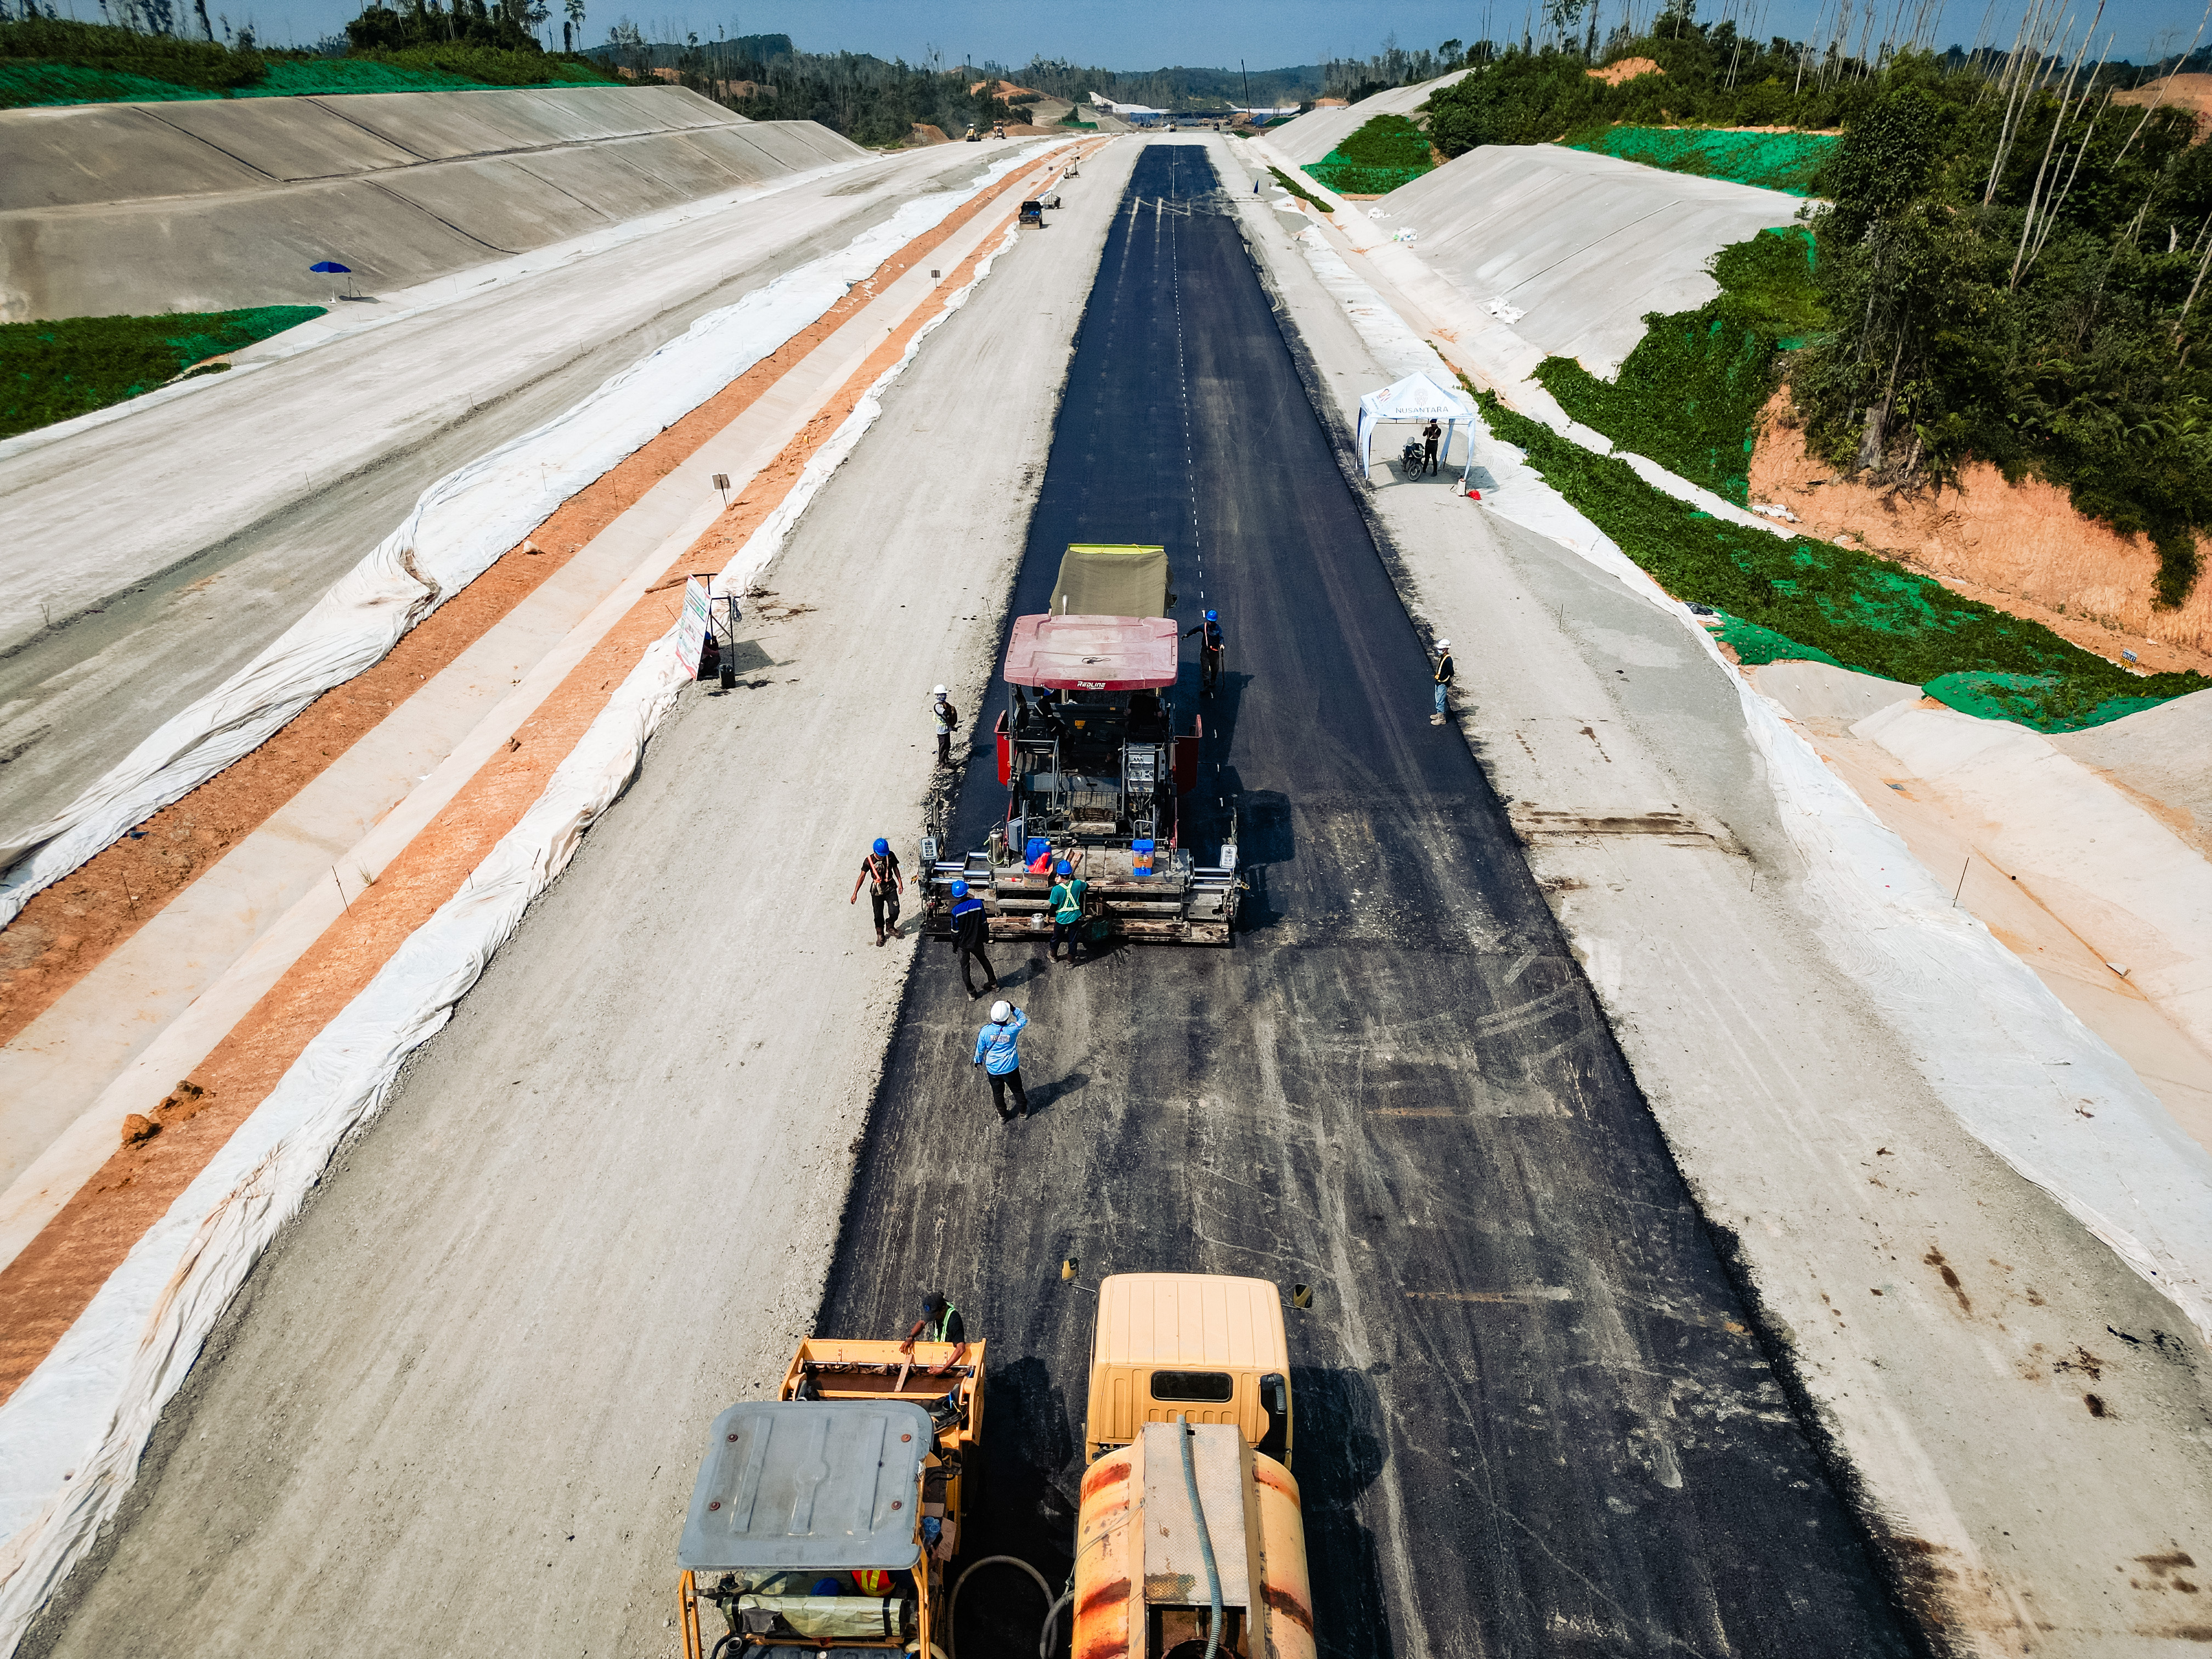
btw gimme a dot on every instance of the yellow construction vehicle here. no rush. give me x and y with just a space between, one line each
1189 1543
1201 1345
825 1517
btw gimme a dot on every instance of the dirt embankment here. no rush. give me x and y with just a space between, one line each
2020 547
2190 92
1627 69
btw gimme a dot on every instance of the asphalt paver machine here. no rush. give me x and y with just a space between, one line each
1094 771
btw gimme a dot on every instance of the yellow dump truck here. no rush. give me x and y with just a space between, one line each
823 1518
1189 1536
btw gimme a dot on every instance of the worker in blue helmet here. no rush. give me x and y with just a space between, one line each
1066 904
1210 644
971 933
879 873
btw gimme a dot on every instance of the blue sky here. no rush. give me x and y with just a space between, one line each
1150 34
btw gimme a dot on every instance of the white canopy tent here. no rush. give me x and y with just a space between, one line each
1418 399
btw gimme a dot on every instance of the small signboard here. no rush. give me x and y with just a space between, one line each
691 627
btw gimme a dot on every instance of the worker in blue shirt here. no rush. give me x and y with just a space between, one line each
1210 645
971 932
1001 1062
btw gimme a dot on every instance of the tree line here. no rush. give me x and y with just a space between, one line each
2013 258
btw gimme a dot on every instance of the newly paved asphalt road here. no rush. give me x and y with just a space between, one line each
1530 1416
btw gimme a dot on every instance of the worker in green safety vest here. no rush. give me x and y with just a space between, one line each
940 1321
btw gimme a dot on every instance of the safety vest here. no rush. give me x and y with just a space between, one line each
936 1333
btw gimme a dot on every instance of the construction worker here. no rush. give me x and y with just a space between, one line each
1066 904
1209 651
880 871
971 933
940 1321
947 717
1443 677
1432 435
1001 1061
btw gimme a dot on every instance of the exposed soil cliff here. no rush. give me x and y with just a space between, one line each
2020 547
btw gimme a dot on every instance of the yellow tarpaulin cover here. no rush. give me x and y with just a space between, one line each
1100 581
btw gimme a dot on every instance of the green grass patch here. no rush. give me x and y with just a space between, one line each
28 85
52 370
1071 119
1801 598
47 62
1388 151
1299 190
1787 161
1689 395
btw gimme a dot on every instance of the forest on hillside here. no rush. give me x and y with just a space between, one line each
2011 267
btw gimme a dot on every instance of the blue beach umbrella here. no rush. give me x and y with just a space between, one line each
332 267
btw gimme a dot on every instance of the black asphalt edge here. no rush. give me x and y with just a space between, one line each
1909 1577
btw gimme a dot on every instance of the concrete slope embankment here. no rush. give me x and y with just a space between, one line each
241 197
1313 135
1575 249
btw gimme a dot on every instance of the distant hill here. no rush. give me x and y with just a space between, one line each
760 57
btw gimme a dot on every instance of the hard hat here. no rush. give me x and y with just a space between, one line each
1063 868
871 1581
1443 644
960 889
937 691
827 1587
881 847
1001 1013
1213 616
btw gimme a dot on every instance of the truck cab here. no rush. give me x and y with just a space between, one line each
1201 1347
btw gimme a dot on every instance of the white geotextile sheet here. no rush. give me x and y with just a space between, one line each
460 526
71 1435
2011 1062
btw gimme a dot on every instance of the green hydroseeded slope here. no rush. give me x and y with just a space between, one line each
1387 152
1772 161
54 371
1689 395
1801 598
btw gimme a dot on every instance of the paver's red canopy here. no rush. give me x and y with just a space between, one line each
1092 653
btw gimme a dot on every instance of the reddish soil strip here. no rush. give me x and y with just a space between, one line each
68 930
44 1288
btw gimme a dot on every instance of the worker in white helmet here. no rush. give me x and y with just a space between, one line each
1001 1061
1443 677
947 717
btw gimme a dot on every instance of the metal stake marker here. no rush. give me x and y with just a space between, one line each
1961 887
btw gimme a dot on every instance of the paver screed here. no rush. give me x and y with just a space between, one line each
1531 1414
